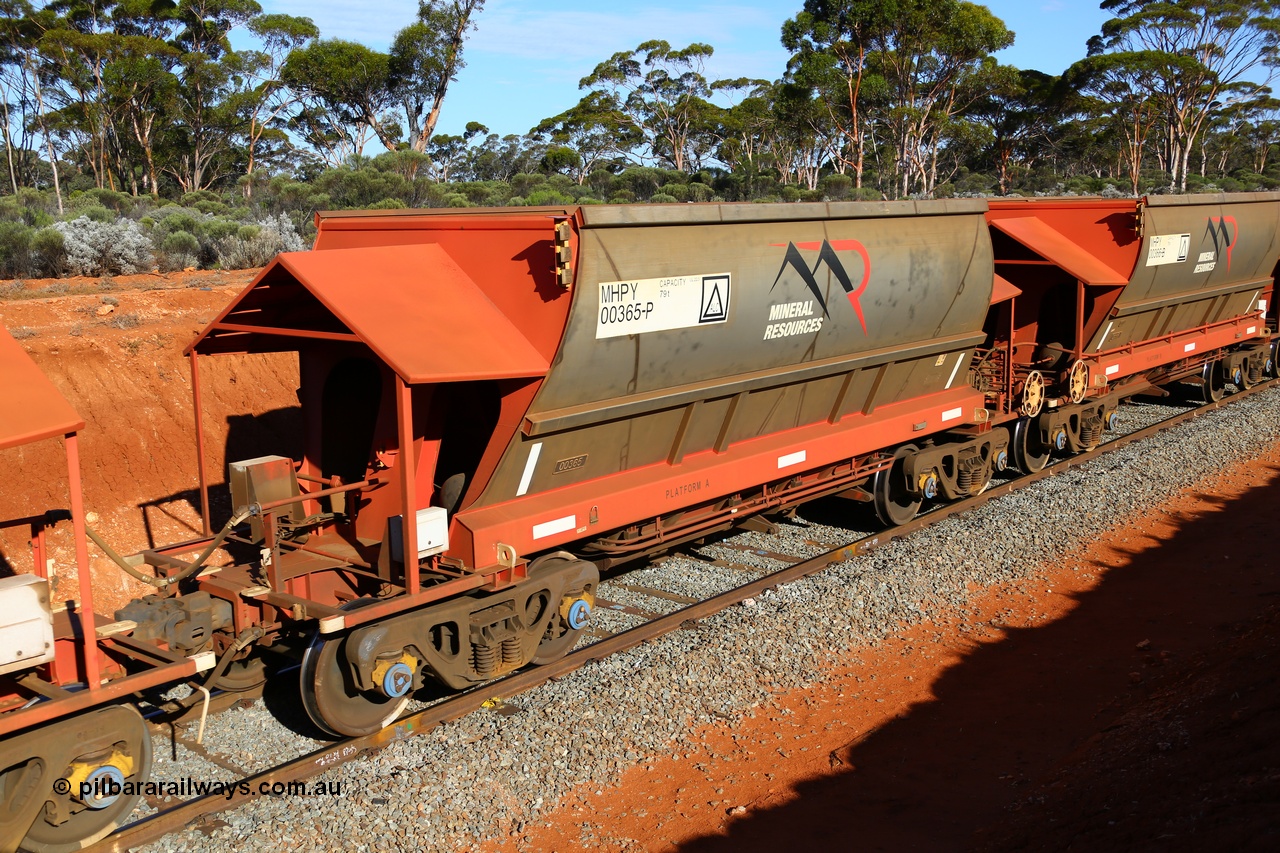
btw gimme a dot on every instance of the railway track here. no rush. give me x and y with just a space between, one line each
686 613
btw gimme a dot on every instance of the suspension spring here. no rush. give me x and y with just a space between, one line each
511 651
484 659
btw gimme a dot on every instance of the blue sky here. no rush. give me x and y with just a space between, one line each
526 57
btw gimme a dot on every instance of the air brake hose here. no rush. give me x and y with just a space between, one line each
247 636
163 583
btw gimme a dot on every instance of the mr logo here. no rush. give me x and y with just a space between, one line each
1217 231
827 254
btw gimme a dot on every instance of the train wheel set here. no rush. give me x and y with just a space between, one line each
502 405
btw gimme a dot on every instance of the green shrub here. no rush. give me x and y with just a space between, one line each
547 198
680 192
394 204
50 250
15 249
195 197
836 187
180 221
213 230
179 250
94 212
699 192
213 208
523 184
663 198
119 203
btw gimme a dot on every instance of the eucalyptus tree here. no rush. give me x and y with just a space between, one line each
261 100
1198 54
830 41
425 58
919 52
1127 84
202 121
660 93
1019 110
18 88
594 130
345 87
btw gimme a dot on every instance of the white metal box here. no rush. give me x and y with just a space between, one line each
26 623
433 533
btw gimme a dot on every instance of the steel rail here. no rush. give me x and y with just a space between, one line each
419 722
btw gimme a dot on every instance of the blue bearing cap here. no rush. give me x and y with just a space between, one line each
397 680
579 613
102 787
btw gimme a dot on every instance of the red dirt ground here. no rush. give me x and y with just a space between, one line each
124 372
1128 700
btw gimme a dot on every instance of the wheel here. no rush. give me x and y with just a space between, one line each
1244 381
894 504
1032 394
1212 382
1030 454
1078 381
570 619
121 755
1270 371
331 699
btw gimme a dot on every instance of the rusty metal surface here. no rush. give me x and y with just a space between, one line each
1202 260
605 216
31 408
421 722
422 319
815 318
1230 242
859 284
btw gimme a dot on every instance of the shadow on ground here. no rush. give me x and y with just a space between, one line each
968 770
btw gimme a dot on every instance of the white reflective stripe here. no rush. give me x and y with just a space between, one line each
529 465
1102 340
1254 299
1189 348
1262 305
551 528
792 459
1252 330
1112 370
952 414
955 369
331 624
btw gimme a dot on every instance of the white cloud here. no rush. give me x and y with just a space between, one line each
370 23
572 35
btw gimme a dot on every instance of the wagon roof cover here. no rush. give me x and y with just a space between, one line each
1050 243
412 305
30 407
